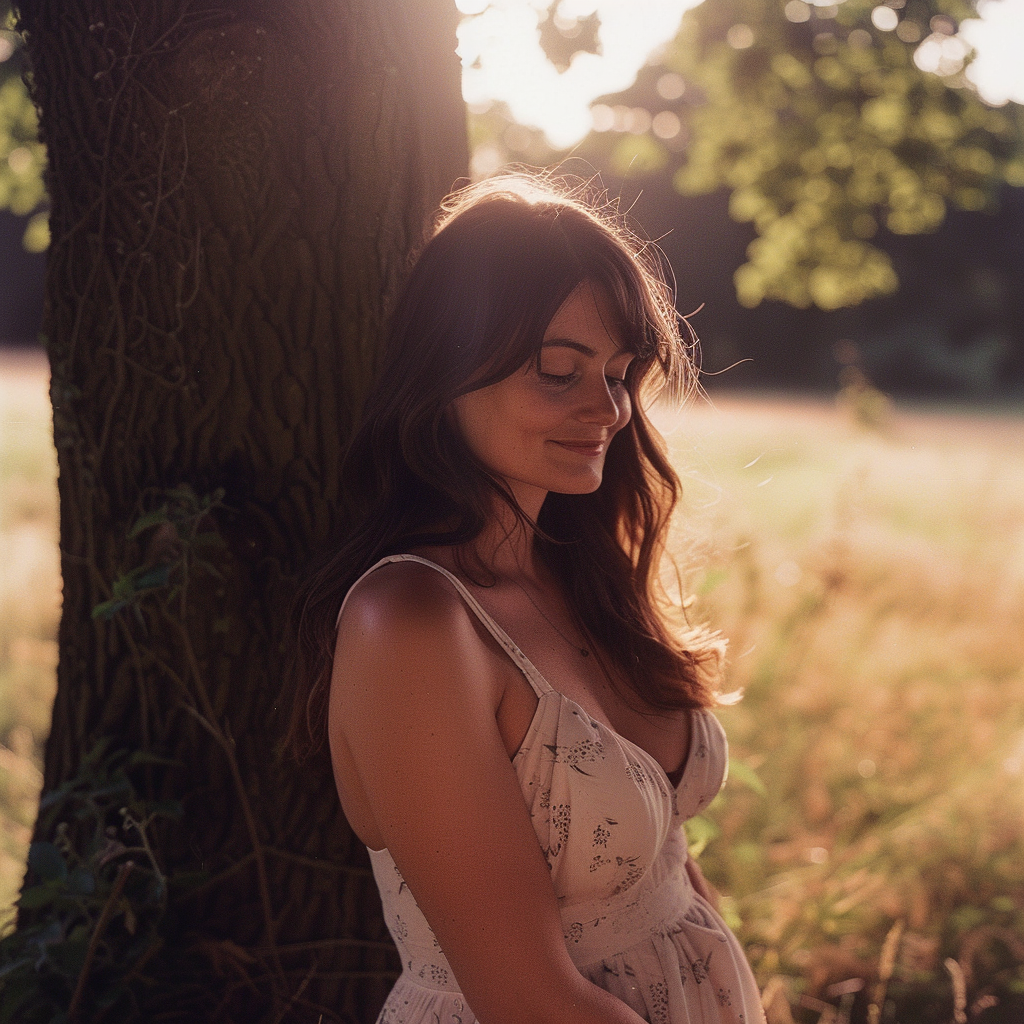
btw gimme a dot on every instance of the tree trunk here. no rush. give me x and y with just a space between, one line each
235 185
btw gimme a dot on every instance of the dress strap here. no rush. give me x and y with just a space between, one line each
534 678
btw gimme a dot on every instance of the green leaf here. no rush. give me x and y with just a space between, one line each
138 757
46 861
81 882
34 896
745 775
107 609
699 832
711 582
126 588
149 520
55 796
153 578
16 965
166 808
37 233
68 957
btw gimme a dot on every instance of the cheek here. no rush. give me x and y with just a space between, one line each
468 418
495 422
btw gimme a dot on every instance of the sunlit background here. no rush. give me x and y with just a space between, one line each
821 158
853 492
503 60
874 823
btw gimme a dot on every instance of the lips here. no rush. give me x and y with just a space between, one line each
592 449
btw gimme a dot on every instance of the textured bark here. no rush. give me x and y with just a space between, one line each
234 188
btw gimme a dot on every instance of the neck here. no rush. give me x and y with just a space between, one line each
505 547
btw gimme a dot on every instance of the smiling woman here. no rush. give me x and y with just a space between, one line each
547 427
517 733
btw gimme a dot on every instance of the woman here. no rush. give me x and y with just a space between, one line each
516 733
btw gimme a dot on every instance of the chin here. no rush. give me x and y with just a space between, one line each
578 486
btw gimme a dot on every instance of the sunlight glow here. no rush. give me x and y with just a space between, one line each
503 61
884 18
502 58
997 71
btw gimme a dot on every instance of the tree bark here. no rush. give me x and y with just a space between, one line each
235 185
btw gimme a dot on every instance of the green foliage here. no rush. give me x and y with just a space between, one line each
824 129
93 906
181 540
701 828
98 915
22 155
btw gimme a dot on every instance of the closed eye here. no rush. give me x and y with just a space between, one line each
558 378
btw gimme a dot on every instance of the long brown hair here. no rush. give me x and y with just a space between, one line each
503 256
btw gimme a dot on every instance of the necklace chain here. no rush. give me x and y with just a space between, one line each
582 650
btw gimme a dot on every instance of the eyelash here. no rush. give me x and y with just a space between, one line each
565 379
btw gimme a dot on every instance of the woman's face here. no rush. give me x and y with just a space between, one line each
547 427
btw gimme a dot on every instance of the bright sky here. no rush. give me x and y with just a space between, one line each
502 58
998 37
513 68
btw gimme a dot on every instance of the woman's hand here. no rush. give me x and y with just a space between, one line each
422 770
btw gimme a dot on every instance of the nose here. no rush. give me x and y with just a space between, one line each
603 407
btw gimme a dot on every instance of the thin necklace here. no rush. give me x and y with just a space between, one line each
582 650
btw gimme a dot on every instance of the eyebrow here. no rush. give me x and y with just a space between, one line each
577 346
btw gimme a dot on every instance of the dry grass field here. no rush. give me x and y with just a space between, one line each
871 583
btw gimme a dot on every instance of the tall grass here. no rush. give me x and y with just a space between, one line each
871 583
872 586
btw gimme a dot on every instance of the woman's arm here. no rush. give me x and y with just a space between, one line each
412 712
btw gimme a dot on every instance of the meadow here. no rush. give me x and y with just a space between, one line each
867 565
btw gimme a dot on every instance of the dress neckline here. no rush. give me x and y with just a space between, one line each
673 787
533 675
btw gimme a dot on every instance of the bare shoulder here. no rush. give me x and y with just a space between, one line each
406 632
399 600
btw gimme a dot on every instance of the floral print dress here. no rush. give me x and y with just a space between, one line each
610 824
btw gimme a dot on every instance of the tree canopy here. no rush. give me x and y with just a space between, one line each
826 124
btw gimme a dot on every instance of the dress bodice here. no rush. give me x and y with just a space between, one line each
610 824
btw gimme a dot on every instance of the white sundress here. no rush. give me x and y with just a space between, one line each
610 824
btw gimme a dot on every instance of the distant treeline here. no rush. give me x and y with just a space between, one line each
955 327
